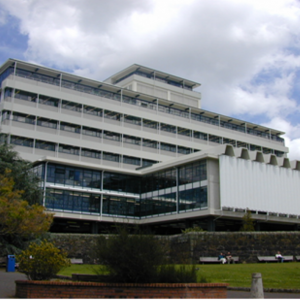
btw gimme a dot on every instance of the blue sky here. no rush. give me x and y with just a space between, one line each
245 53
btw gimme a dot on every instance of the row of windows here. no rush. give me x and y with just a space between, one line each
44 145
135 101
80 202
158 181
94 132
132 139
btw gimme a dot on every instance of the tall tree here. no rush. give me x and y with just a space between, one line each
22 174
248 223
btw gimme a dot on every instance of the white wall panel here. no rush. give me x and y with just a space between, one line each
258 186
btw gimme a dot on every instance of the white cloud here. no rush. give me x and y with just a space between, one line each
246 54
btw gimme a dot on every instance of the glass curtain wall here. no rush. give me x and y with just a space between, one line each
191 194
172 190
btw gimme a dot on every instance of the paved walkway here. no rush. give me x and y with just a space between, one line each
7 283
8 288
246 295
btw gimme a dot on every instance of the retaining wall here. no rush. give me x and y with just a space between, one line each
187 248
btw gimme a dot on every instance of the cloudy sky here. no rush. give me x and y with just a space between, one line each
245 53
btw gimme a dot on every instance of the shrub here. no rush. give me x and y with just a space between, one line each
181 274
130 257
139 258
42 261
192 229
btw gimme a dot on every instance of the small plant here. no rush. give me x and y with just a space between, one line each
42 261
192 229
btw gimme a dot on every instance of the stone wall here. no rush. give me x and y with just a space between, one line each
187 248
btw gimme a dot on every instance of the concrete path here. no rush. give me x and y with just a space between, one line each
7 283
246 295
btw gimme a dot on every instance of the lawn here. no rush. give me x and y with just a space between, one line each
274 275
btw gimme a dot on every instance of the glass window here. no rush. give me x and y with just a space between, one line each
150 143
111 136
47 123
112 115
70 127
167 147
200 135
46 100
131 160
25 96
229 141
92 110
45 145
73 201
131 140
92 132
111 156
168 128
121 182
21 141
184 131
215 139
132 120
23 118
91 153
150 124
184 150
68 149
71 106
5 74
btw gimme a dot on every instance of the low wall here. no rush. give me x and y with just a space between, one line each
55 289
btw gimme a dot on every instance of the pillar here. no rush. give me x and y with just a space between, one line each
257 290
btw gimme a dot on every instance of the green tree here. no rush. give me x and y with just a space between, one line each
248 222
42 261
22 174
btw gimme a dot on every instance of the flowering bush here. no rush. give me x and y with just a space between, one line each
42 261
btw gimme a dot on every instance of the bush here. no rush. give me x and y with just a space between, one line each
182 274
130 258
139 258
42 261
193 229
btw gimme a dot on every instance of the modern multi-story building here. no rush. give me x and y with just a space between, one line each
138 149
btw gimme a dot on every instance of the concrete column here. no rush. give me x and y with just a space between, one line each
257 290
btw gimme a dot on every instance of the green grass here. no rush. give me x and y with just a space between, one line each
274 275
79 269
